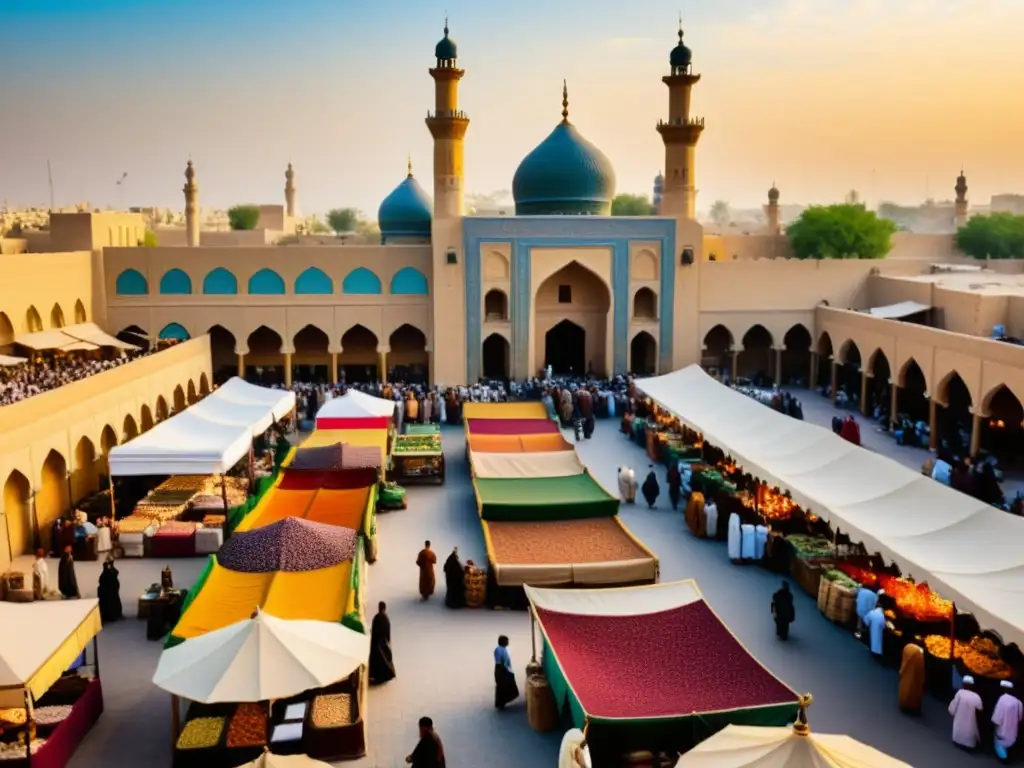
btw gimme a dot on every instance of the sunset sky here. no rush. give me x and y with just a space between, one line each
821 96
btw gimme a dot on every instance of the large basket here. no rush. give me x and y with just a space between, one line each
476 588
807 573
841 606
541 711
824 590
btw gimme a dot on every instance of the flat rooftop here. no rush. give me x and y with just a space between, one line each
981 283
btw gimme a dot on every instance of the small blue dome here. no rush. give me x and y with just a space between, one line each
446 50
406 212
681 56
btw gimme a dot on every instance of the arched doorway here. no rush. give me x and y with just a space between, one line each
179 399
796 356
643 354
6 333
18 513
222 353
848 375
359 356
311 361
108 439
192 396
130 430
52 500
84 477
495 306
146 418
264 364
645 305
1002 433
571 307
716 355
823 380
879 391
204 384
135 336
911 403
161 409
954 416
496 357
408 359
57 317
565 349
756 357
80 315
33 322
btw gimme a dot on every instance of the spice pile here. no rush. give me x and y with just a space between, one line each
292 544
332 711
52 715
916 601
980 656
248 727
201 733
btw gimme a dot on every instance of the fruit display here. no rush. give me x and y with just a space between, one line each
980 656
809 547
178 527
291 544
214 521
14 716
201 733
768 504
916 601
158 512
51 715
134 524
863 576
16 751
417 444
332 711
248 726
192 483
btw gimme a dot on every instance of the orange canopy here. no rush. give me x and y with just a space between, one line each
518 443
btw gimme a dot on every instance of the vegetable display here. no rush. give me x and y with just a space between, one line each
417 444
863 576
248 727
201 733
980 655
809 547
841 579
332 711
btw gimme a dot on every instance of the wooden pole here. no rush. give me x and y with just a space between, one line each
175 720
224 491
28 727
533 634
110 482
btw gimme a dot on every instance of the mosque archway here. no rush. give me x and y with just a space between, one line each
577 295
33 322
18 514
716 356
409 281
645 305
497 357
796 356
204 384
129 429
756 356
131 282
134 335
179 399
495 306
80 314
879 390
311 361
266 282
911 402
643 355
108 439
848 373
162 411
953 399
146 421
52 499
265 363
85 475
192 396
220 282
6 332
361 282
57 317
359 357
825 352
1002 432
222 353
314 281
175 282
408 359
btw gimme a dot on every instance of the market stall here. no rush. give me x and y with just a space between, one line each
650 668
961 547
543 498
526 465
418 454
518 411
545 443
49 699
538 426
355 410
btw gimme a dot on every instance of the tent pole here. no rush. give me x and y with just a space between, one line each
175 720
533 634
96 654
28 728
110 483
224 491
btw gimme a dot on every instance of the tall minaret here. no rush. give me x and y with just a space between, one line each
289 191
448 126
659 189
680 134
960 216
772 211
191 190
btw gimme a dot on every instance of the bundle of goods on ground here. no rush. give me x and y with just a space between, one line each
545 519
843 522
417 454
646 669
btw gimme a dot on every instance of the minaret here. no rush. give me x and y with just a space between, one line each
772 211
191 190
289 191
659 189
960 216
447 124
680 134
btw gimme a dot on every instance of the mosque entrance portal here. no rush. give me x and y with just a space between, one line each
565 348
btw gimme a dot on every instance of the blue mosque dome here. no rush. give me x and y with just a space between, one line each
565 175
406 212
681 57
446 50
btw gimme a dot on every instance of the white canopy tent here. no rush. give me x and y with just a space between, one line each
82 337
356 405
6 361
898 311
967 551
280 402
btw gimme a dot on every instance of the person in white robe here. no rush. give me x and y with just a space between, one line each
574 752
734 539
711 517
41 573
964 708
627 484
1006 718
874 620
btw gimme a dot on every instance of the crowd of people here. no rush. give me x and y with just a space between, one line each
43 372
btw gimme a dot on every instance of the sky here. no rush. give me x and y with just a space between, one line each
818 96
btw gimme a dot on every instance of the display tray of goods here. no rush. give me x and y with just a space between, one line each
810 547
208 502
134 524
174 539
214 521
334 729
159 512
184 483
865 577
13 750
201 733
248 726
916 602
980 656
417 444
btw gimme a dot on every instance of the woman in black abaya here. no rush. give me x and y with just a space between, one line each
454 574
109 593
382 665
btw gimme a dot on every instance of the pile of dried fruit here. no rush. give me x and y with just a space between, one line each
52 715
134 524
16 751
980 656
332 711
15 716
201 733
863 576
248 727
159 512
916 600
292 544
178 527
214 521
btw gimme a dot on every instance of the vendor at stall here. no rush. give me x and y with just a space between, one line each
1006 717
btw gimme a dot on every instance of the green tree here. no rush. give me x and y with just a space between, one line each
317 227
996 236
244 217
846 231
148 239
632 205
721 213
342 220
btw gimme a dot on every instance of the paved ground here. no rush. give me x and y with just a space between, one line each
443 657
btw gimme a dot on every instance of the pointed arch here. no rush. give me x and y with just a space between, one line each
264 341
80 314
314 282
84 479
18 513
408 359
6 330
175 282
266 282
192 396
643 355
1000 394
824 346
496 357
179 398
409 281
220 282
52 501
131 282
33 322
756 359
361 281
495 305
57 317
645 305
495 267
849 354
717 347
953 390
796 355
311 340
146 420
204 384
359 337
162 411
174 331
911 377
359 358
108 439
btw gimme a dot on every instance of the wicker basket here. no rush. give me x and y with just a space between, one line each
807 573
14 580
842 604
476 588
824 590
541 711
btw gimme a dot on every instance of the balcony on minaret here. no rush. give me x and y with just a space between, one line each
447 114
680 131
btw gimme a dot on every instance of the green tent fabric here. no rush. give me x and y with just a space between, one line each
354 619
281 451
544 498
422 429
193 593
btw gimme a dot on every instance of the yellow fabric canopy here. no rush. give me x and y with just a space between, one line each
375 438
532 410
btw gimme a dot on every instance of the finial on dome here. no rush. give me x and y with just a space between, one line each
565 102
190 171
409 165
680 27
446 23
800 727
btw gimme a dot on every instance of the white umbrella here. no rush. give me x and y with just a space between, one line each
742 746
270 760
261 658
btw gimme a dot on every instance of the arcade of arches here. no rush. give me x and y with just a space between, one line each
571 319
758 357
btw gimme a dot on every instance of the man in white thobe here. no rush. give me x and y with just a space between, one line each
41 573
964 708
1006 717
